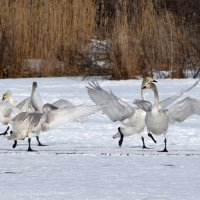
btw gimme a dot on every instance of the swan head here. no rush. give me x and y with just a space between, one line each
34 84
148 85
150 79
8 96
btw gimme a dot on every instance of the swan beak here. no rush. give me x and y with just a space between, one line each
144 87
3 98
155 81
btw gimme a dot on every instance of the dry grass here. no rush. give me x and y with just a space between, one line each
142 37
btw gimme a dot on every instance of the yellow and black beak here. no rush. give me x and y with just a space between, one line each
3 97
144 87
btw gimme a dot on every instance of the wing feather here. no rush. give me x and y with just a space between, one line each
59 117
166 102
25 105
62 103
183 109
112 106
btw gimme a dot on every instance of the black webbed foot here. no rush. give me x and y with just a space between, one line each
31 150
42 145
164 150
15 144
143 146
39 143
29 145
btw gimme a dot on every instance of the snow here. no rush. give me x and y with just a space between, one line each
83 162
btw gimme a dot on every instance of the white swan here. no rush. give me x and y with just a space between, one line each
8 109
157 119
28 124
37 105
132 118
23 106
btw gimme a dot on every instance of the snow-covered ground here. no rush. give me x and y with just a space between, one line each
82 161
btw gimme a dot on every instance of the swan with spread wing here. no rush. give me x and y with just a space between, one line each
26 125
132 118
158 119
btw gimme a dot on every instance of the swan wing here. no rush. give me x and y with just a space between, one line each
142 104
183 109
166 102
112 106
25 105
59 117
24 124
62 103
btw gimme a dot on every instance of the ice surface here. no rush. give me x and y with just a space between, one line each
82 161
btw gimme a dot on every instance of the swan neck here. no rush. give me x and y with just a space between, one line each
33 100
11 101
142 94
156 96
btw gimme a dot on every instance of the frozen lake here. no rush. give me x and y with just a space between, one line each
83 162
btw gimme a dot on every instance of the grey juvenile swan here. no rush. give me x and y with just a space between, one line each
26 125
132 118
157 119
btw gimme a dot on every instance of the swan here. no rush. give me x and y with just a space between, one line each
131 118
158 119
35 101
118 110
8 109
26 125
24 105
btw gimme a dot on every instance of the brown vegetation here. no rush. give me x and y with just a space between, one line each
136 37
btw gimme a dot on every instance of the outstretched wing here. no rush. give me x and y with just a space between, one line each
59 117
62 103
166 102
183 109
112 106
26 105
142 104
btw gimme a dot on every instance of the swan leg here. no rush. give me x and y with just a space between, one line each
165 149
5 132
144 146
151 136
121 137
15 144
29 145
39 143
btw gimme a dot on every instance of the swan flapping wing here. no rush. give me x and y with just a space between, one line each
25 105
142 104
166 102
59 117
25 124
62 103
112 106
183 109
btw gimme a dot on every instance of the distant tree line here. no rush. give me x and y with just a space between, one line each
117 38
